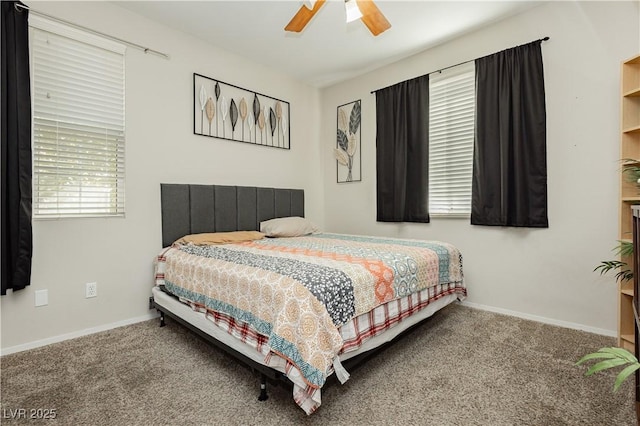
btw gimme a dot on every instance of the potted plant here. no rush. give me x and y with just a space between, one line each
615 357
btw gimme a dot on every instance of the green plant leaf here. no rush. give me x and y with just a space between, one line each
624 374
625 275
604 365
631 168
620 353
607 265
625 248
596 355
629 160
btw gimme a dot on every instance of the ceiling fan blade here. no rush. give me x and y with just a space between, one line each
302 18
372 17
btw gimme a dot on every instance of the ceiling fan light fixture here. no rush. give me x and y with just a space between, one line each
352 10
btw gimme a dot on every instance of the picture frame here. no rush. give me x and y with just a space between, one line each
348 150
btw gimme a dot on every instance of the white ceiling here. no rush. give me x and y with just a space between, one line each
328 50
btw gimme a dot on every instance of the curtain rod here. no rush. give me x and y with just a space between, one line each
450 66
19 6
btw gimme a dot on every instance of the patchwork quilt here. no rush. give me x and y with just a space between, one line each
299 291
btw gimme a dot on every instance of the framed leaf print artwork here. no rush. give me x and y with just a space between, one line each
348 147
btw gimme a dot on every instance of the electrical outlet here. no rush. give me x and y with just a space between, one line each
42 297
91 290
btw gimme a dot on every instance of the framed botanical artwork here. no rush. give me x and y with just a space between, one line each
224 111
348 148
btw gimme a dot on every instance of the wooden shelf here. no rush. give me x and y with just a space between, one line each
629 195
632 129
633 93
627 342
630 75
628 338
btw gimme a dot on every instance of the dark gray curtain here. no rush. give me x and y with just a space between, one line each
510 153
402 151
15 155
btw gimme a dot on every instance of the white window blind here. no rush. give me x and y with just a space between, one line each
451 130
78 123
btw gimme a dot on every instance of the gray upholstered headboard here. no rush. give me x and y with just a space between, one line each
191 209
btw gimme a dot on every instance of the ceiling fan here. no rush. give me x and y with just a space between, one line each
365 10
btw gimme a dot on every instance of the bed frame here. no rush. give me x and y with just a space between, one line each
189 209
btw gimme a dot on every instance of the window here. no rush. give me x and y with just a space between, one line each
78 122
451 133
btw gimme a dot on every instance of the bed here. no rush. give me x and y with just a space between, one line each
301 306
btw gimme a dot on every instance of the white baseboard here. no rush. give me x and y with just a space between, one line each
73 335
565 324
88 331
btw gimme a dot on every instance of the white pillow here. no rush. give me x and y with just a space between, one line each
294 226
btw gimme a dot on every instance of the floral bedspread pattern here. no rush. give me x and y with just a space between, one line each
299 291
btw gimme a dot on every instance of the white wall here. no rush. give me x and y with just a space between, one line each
160 147
544 273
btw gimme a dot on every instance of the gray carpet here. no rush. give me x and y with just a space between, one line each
461 367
